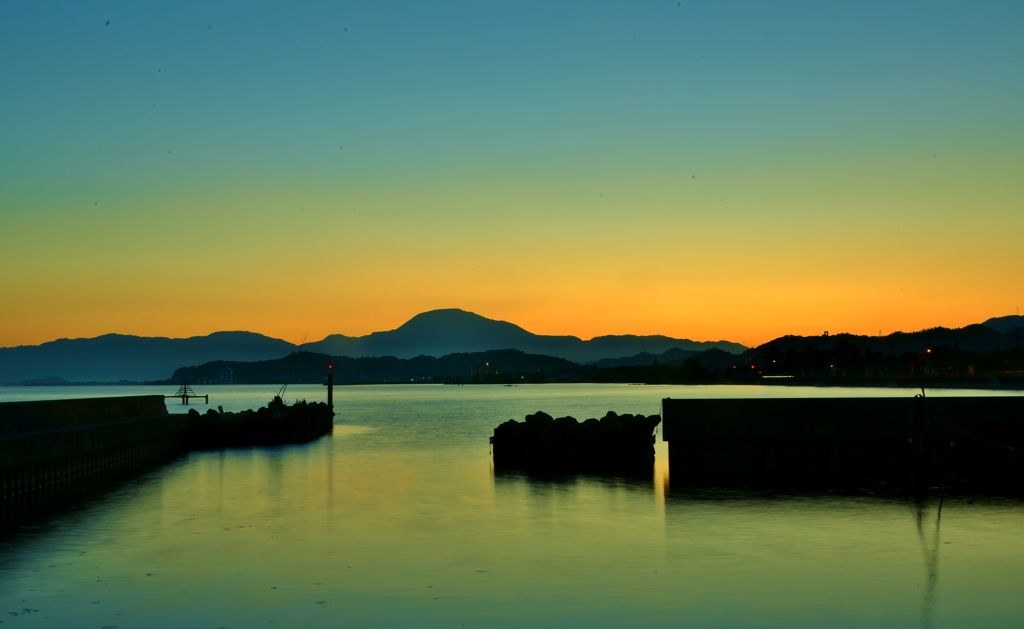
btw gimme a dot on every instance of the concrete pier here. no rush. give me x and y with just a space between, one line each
963 444
51 448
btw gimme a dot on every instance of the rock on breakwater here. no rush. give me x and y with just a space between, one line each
274 424
614 443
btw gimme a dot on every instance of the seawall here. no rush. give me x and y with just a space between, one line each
52 448
965 444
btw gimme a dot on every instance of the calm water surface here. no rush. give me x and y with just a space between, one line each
398 520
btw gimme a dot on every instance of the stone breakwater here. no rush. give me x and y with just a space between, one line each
614 443
274 424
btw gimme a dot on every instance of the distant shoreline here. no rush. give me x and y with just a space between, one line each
1005 382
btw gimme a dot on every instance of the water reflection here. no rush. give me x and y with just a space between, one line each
542 481
930 548
42 509
822 554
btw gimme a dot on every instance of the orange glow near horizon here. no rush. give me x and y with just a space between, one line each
640 260
754 309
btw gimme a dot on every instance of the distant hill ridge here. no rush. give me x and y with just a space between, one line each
507 365
973 338
115 357
1006 324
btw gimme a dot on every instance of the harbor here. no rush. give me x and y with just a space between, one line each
53 449
404 495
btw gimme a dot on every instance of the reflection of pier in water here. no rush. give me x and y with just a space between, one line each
824 549
931 560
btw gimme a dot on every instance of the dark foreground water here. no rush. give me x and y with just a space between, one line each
398 520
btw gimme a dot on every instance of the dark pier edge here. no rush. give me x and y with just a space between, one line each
920 445
55 451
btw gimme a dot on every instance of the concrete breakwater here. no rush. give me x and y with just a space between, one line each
615 443
52 451
960 444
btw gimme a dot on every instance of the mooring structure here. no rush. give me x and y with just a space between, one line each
186 393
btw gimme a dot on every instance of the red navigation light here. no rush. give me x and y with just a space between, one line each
330 366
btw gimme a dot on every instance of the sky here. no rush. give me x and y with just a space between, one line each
728 170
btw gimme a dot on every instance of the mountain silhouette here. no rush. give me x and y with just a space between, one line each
437 333
1006 324
441 332
114 357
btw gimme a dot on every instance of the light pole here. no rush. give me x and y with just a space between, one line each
330 388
